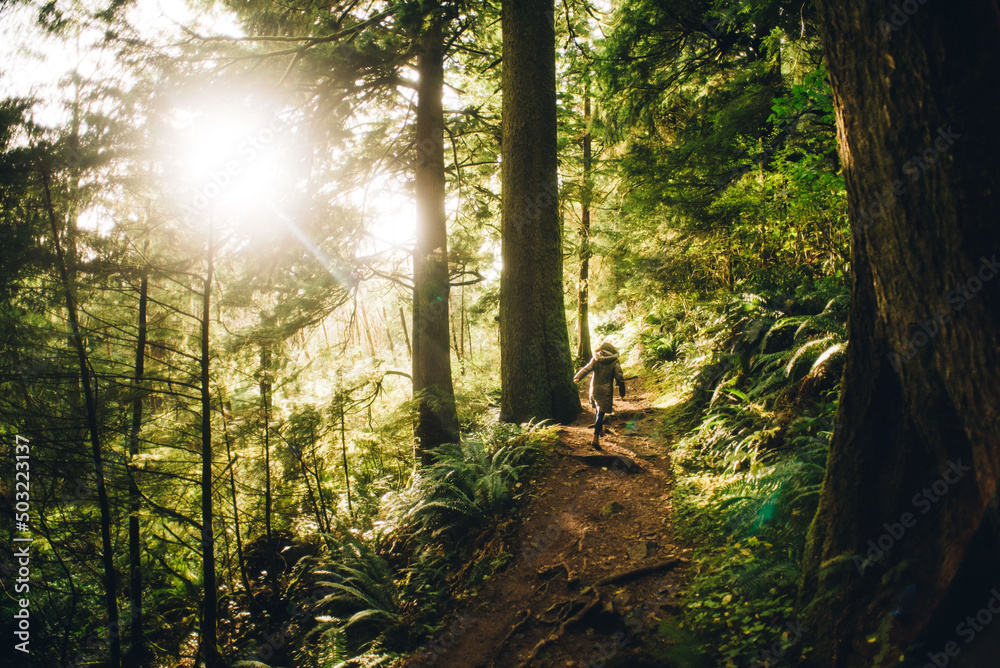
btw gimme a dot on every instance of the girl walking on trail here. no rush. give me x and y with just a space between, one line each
607 371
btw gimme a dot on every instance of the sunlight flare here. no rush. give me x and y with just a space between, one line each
228 159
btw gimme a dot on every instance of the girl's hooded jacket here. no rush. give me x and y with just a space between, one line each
607 371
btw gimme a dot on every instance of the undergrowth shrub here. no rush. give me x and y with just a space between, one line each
378 585
764 376
354 599
468 483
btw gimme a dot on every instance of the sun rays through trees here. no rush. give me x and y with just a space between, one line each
292 296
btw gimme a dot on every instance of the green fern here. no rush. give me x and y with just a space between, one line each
828 355
765 574
803 352
468 481
361 598
370 659
332 646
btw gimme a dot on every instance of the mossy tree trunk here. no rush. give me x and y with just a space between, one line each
903 545
536 366
437 420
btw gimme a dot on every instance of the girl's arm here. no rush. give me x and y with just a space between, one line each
582 373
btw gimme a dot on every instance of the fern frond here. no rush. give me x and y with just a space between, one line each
828 354
804 350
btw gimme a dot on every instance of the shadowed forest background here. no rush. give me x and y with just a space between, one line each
293 294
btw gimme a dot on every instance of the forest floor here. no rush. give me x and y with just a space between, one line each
595 562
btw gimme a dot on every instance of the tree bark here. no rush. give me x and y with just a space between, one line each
583 352
437 419
536 366
903 543
406 335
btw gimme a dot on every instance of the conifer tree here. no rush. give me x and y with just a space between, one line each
536 364
910 490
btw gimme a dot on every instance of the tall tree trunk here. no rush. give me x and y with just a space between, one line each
903 545
343 452
437 419
324 516
209 613
536 365
265 403
107 557
461 327
309 490
231 465
583 289
406 335
137 652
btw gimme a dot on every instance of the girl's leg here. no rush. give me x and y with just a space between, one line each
598 428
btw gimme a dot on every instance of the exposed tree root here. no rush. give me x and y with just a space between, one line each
513 629
636 573
614 462
550 571
561 609
555 635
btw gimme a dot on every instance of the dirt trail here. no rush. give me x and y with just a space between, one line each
595 563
